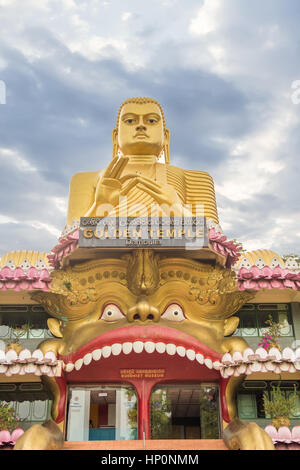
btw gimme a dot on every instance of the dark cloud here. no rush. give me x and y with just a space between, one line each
62 105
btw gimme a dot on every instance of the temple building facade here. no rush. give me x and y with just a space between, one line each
146 332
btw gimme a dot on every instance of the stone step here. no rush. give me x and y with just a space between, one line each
164 444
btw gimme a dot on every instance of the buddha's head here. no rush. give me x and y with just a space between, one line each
141 129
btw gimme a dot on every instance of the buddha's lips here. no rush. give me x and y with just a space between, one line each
142 339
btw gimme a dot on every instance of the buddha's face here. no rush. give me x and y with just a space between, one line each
141 129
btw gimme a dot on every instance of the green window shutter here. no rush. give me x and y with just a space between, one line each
247 406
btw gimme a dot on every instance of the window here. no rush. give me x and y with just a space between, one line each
250 398
30 401
23 322
253 319
185 412
102 413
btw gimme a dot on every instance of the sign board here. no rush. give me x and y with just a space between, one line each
188 233
142 373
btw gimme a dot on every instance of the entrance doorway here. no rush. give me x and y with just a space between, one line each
102 413
185 412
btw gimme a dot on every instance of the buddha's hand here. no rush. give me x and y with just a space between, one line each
109 186
246 436
161 194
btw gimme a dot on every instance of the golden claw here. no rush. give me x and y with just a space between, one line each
246 436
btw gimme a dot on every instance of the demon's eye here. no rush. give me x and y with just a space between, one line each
173 313
111 313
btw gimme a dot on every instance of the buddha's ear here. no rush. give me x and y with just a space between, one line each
230 325
115 143
54 327
167 146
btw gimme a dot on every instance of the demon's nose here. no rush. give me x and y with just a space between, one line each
143 311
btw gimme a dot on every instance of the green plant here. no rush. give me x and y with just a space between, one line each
160 414
269 337
279 405
20 332
8 418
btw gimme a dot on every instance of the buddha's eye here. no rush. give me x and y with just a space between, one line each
130 120
111 313
173 313
152 121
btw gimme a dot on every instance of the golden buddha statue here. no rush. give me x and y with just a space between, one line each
137 177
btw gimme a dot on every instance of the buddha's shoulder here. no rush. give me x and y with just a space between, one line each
195 175
86 178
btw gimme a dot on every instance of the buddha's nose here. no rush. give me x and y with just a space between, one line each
141 127
143 311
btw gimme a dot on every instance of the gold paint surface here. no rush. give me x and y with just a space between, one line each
139 140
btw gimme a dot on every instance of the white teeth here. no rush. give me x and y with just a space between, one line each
106 351
149 347
37 354
242 369
15 369
97 354
24 354
171 349
78 364
237 356
160 347
255 366
180 351
208 363
190 354
217 365
87 359
200 358
288 354
116 349
11 355
138 347
30 368
127 348
69 367
284 366
270 366
50 355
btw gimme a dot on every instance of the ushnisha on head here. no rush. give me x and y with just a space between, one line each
141 129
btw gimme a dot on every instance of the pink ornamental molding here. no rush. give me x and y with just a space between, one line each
218 241
250 361
65 246
284 438
8 439
268 278
18 280
37 363
228 248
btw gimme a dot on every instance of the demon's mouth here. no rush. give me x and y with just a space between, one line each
142 340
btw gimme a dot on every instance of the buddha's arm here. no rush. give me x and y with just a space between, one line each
194 188
200 190
82 194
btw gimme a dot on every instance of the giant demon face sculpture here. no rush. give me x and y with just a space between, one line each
142 310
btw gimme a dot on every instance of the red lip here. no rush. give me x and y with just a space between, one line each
151 333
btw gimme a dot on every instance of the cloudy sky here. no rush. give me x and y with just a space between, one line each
222 69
